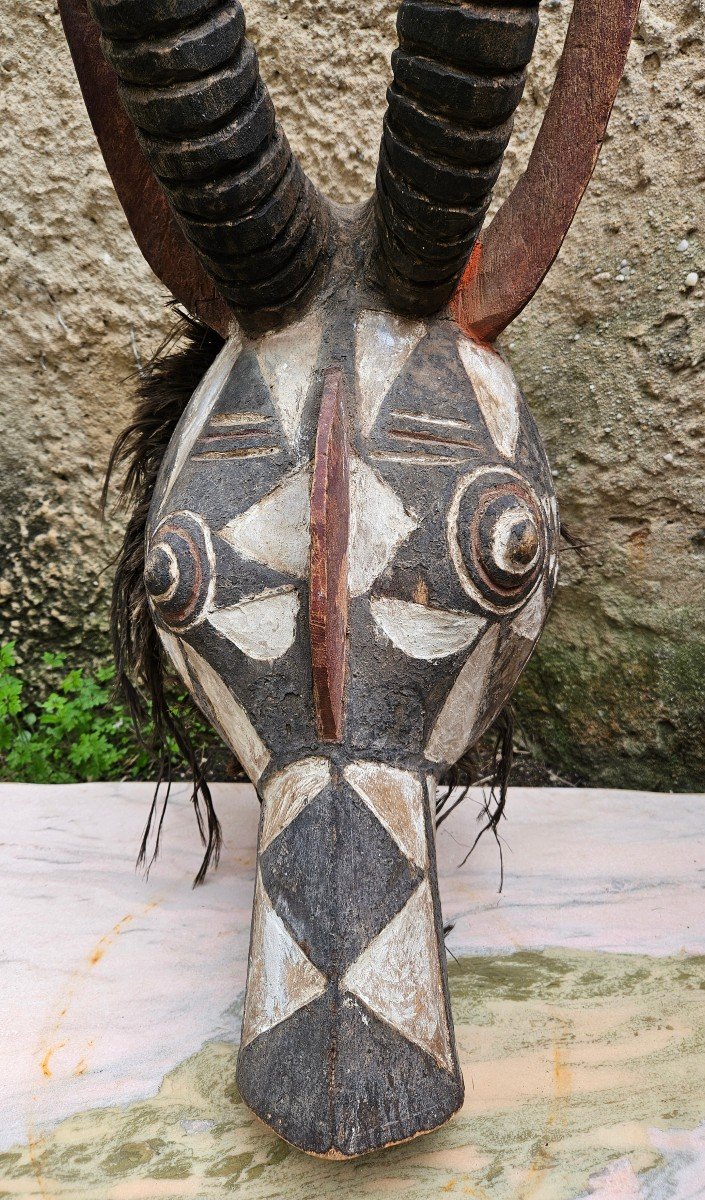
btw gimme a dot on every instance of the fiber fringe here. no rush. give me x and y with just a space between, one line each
466 774
163 390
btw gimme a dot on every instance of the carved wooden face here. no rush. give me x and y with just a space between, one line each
433 555
350 556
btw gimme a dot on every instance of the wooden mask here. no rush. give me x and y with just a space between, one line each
351 547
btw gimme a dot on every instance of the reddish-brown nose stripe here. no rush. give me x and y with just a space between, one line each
330 521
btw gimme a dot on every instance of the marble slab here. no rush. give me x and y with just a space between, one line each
578 995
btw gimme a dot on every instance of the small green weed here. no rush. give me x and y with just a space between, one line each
77 732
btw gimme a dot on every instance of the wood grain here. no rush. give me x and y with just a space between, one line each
154 228
513 256
330 520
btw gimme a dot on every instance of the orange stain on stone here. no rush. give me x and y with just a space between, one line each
562 1092
45 1063
53 1029
46 1052
562 1074
108 938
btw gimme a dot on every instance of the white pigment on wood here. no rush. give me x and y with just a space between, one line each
229 716
287 360
383 344
454 546
288 792
200 406
264 626
276 530
502 537
281 978
529 623
422 632
497 393
379 524
457 723
399 977
174 649
396 799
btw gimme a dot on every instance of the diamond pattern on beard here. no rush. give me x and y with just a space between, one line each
336 878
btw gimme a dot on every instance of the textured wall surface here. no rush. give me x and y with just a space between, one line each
610 355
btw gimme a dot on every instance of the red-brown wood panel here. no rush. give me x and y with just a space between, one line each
330 509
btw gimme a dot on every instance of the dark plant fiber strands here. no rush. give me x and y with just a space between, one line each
466 774
163 389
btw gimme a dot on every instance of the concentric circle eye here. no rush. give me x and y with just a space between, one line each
509 540
161 573
179 571
498 538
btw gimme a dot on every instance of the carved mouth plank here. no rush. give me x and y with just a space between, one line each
330 522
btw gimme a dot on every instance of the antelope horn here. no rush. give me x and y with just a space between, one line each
189 80
459 74
515 253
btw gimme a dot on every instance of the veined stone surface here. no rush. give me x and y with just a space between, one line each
577 1001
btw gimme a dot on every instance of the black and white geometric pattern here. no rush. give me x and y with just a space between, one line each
346 1042
345 967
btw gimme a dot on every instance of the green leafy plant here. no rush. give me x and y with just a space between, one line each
77 732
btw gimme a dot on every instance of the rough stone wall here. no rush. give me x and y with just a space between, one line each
610 355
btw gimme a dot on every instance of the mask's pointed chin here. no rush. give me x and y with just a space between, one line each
347 1009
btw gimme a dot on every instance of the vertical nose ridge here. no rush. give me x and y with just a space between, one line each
328 589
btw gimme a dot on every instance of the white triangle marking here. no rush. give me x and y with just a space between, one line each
529 623
383 344
264 626
497 393
287 361
280 979
287 794
422 632
379 524
399 977
456 725
228 715
396 799
276 530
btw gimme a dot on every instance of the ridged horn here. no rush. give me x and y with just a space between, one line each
459 73
190 82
